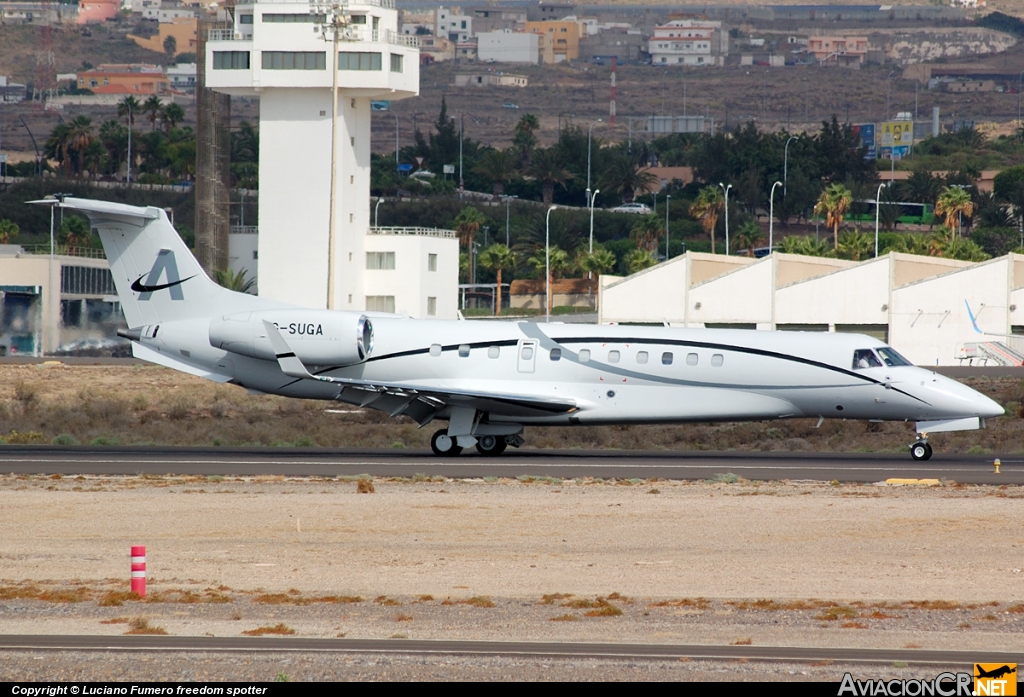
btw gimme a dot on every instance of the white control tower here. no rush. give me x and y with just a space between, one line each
276 51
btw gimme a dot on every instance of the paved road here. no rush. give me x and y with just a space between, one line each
963 659
843 467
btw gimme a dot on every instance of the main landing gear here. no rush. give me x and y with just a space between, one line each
444 445
921 450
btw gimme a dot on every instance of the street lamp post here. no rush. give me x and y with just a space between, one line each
785 165
508 202
397 161
668 197
332 21
462 130
1020 82
590 133
380 200
878 201
726 190
596 192
547 265
771 217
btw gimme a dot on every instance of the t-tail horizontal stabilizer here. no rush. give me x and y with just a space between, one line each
286 358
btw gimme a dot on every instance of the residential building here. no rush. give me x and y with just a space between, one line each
838 50
561 40
508 47
167 13
271 52
688 42
91 11
544 11
12 92
36 13
625 45
465 51
491 18
181 29
136 78
454 27
182 77
435 48
491 80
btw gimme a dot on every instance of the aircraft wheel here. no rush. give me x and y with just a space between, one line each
443 445
920 451
491 445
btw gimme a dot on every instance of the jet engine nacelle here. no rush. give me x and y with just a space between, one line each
318 337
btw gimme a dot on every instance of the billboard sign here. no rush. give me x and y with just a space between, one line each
894 152
896 134
866 131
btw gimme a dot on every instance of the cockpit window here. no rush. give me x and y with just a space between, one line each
865 358
892 358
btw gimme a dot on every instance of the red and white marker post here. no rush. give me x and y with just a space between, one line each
139 570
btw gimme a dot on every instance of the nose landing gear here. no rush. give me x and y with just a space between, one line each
921 450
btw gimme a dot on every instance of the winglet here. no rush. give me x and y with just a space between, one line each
286 358
974 320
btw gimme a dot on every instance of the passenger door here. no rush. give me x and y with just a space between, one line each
527 355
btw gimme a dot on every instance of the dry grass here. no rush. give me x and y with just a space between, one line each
118 598
280 629
402 618
146 404
140 625
606 610
115 620
775 606
853 625
293 599
566 618
386 601
478 601
698 603
742 641
552 598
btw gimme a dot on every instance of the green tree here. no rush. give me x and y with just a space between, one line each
499 166
748 237
81 136
806 245
171 115
639 259
953 203
74 233
467 223
557 261
600 261
622 174
170 47
152 108
548 169
498 258
855 245
707 208
524 140
8 229
1008 187
58 147
834 202
647 231
235 281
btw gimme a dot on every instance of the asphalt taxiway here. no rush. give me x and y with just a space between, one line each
607 464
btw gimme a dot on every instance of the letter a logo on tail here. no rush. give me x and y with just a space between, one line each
164 263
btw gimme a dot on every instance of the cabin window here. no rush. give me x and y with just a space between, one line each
584 355
464 350
865 358
493 351
613 356
691 359
641 357
666 358
527 354
892 358
717 359
556 354
435 349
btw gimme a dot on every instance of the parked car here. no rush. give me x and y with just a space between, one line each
640 208
509 105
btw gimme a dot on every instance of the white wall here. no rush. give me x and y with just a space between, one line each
741 296
859 295
411 282
508 47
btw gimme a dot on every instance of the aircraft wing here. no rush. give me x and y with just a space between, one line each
419 402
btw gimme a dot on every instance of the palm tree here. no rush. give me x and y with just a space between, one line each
81 137
806 245
129 107
639 259
623 175
524 141
548 168
8 229
234 281
952 203
467 224
707 208
557 260
498 258
834 201
499 166
171 115
647 231
748 237
600 261
153 106
854 245
58 146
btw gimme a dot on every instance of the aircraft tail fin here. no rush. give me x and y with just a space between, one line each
156 276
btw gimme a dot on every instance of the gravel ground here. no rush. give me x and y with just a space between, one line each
799 564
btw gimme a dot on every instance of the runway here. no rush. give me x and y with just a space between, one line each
962 659
606 464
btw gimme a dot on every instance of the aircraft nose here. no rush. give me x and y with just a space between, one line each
968 401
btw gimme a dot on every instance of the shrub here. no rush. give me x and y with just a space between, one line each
65 439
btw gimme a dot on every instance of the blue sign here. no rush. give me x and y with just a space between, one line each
866 131
382 105
405 168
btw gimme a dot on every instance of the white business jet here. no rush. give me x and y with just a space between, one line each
490 379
